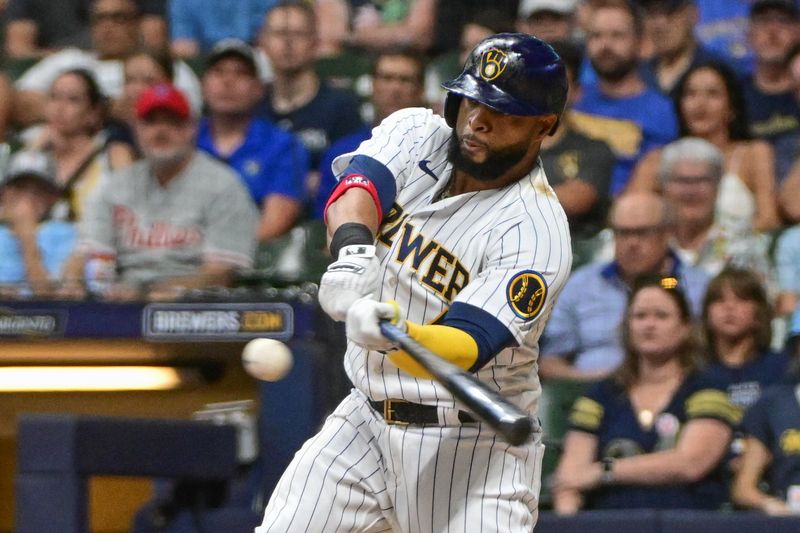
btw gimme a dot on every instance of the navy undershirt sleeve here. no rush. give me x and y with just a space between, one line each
489 333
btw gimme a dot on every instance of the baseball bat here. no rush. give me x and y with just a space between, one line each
505 418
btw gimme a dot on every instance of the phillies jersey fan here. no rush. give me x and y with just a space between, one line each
448 227
177 218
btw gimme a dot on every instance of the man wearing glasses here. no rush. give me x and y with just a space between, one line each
39 27
582 339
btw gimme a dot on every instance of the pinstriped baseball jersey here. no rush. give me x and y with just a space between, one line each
500 256
505 251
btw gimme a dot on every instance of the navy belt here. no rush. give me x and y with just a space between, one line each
405 413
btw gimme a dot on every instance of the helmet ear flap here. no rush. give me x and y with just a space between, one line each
451 103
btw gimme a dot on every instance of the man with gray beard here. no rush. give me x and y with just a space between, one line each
175 220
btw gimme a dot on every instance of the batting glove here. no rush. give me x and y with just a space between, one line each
363 323
353 276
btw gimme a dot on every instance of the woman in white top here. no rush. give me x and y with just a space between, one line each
710 105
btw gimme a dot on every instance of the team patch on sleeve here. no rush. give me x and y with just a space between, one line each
526 293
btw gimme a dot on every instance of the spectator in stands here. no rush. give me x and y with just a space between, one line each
452 15
772 106
722 27
711 106
73 135
272 163
770 465
652 435
787 266
789 197
38 27
142 69
176 220
374 25
115 34
397 83
33 246
298 100
549 20
6 105
737 325
670 26
620 108
581 339
689 175
579 169
196 25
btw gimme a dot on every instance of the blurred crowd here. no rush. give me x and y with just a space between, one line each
154 147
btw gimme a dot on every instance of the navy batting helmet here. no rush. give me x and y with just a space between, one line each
513 73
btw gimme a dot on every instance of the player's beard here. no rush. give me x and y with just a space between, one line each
497 162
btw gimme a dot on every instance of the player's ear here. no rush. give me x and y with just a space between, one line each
547 125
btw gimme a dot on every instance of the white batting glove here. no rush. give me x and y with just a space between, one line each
363 320
353 276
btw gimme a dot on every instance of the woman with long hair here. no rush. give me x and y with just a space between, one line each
73 135
710 105
737 323
652 435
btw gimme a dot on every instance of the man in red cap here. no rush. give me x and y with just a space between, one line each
177 219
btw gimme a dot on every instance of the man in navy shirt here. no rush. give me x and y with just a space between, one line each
272 163
769 92
298 100
670 26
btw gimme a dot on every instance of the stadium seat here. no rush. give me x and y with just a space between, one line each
57 453
295 257
554 407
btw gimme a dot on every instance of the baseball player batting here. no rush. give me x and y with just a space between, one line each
447 227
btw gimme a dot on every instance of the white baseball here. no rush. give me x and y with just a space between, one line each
267 359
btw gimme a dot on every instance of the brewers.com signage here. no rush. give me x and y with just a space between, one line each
223 322
31 323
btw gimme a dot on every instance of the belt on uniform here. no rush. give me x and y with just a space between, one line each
403 412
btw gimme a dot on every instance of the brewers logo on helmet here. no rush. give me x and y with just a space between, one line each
513 73
493 63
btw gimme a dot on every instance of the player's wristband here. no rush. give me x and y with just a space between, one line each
360 182
350 233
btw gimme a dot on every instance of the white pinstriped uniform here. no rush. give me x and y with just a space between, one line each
360 474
